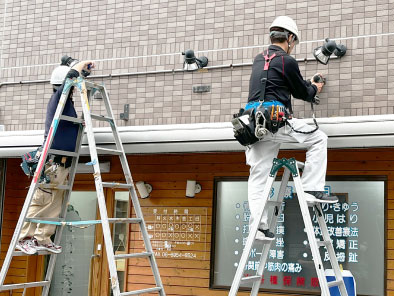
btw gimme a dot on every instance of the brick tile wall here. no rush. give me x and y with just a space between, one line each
140 36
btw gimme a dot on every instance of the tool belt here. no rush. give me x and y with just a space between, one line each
64 161
30 162
257 120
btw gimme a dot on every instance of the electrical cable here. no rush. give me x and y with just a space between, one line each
314 121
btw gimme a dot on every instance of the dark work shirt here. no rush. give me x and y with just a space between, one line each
66 132
284 79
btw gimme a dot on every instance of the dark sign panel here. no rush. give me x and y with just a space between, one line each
355 222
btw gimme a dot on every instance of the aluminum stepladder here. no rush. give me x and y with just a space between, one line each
291 167
87 90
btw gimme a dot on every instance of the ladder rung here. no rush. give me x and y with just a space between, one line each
334 283
20 253
143 291
101 150
321 243
116 185
72 119
273 203
90 85
65 223
24 285
300 164
53 186
62 152
125 220
59 222
251 279
101 117
135 255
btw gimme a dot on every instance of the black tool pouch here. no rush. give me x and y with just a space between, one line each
270 120
244 127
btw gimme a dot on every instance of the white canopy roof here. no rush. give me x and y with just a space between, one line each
343 132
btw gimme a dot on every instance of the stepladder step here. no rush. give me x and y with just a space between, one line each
52 186
71 119
117 185
38 253
322 243
62 222
62 152
101 117
24 285
134 255
102 150
251 279
142 291
334 283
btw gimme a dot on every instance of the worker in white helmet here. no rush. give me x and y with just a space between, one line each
46 203
58 76
283 80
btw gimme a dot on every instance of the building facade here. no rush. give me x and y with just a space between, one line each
138 45
174 134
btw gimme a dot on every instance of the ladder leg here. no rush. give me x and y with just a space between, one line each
249 242
311 236
100 192
330 250
272 223
133 194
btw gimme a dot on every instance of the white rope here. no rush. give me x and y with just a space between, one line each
203 51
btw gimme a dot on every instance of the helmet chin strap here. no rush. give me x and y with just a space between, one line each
288 43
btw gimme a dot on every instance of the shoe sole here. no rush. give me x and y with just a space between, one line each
24 251
313 199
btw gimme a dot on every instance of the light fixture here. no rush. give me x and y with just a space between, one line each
322 53
144 189
192 63
192 187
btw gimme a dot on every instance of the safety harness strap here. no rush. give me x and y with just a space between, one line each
264 74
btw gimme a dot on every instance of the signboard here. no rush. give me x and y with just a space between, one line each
178 232
354 223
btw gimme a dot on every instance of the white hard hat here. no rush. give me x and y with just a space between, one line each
59 74
288 24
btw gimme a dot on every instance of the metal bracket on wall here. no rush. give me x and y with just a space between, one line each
125 115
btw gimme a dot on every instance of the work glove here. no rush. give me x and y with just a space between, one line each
316 100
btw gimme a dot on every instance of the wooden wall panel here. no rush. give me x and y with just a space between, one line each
22 269
167 173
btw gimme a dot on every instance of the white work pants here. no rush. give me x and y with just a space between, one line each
261 154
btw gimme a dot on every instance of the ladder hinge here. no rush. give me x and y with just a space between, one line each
290 163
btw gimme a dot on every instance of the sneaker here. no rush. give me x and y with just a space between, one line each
51 247
265 235
320 196
27 245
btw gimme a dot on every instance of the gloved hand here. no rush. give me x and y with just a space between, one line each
316 100
85 66
319 81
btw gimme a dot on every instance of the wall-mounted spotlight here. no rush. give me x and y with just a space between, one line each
322 54
192 63
192 187
144 189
